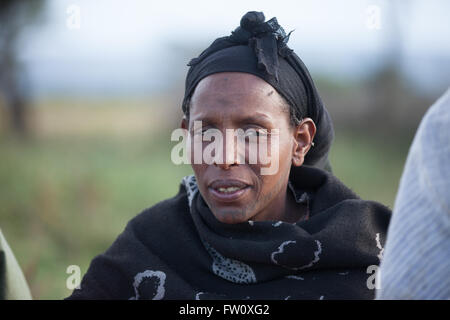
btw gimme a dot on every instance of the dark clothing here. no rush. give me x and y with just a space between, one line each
177 249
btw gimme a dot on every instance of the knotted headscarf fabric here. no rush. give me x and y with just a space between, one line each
260 48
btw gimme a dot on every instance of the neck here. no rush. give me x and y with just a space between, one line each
294 211
285 209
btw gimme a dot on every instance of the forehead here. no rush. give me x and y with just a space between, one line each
235 95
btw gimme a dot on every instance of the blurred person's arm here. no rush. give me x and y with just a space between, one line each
13 285
416 263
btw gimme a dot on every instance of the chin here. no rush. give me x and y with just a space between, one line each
230 216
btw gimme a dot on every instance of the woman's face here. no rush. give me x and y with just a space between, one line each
235 191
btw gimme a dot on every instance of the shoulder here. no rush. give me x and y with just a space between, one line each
166 208
325 189
331 195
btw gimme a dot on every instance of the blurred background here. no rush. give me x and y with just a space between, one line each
90 92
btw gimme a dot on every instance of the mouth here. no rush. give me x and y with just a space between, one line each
228 190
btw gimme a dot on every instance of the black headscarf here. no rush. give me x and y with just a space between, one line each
260 48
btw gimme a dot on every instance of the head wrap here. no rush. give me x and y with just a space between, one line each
260 48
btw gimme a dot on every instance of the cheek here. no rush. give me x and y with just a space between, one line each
274 150
199 172
270 187
270 184
199 169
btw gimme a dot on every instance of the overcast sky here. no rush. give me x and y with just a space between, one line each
136 31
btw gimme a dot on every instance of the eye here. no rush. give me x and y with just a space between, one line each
255 132
201 132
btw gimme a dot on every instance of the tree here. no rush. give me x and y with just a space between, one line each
15 17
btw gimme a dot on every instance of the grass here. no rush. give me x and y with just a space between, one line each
65 198
370 166
64 201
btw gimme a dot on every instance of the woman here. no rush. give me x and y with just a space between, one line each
231 231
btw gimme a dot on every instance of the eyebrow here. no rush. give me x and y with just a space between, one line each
257 118
254 118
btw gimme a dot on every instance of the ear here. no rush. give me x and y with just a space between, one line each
303 138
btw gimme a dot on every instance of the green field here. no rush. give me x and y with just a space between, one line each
65 198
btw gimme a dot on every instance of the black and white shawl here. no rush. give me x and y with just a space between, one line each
177 249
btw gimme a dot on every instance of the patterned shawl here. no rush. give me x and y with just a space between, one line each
177 249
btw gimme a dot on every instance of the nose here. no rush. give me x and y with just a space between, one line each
229 156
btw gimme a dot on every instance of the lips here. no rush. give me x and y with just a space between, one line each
228 190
